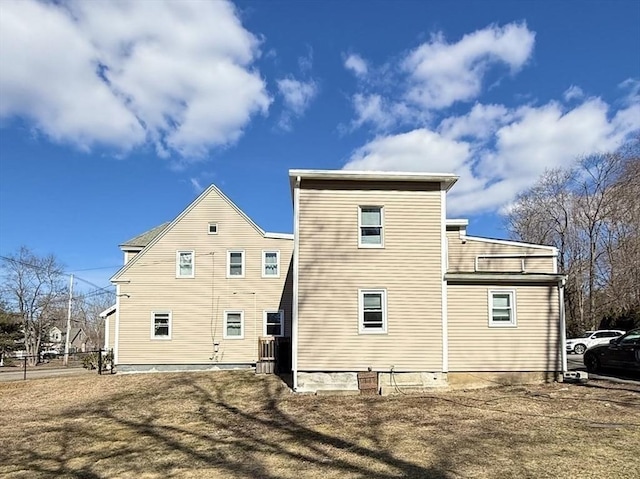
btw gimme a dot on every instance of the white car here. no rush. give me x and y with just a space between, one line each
591 338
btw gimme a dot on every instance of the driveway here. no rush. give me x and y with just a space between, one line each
15 374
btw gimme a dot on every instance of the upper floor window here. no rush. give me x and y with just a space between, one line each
235 264
185 264
274 323
161 325
271 264
371 227
213 228
373 311
502 308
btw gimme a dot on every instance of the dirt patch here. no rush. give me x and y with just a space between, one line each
239 425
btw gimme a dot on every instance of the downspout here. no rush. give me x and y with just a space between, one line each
294 313
116 339
563 326
443 270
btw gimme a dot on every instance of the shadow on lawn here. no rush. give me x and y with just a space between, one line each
216 435
243 426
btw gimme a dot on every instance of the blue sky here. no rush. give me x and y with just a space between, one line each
114 116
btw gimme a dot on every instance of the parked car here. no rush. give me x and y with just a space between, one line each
591 338
622 352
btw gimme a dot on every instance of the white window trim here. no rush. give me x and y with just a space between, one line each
193 263
264 263
367 245
224 323
264 322
514 317
229 275
361 328
153 326
209 228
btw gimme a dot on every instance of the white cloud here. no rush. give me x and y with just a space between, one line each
417 150
481 122
499 152
574 92
177 74
197 187
297 96
441 73
356 64
379 113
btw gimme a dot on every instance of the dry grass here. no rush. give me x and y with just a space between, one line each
238 425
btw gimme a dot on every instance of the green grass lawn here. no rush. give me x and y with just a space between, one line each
239 425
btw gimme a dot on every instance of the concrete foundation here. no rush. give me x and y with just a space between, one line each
174 368
311 382
394 383
466 380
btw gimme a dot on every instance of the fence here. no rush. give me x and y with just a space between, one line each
100 360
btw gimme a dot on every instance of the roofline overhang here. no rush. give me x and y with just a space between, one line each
447 179
457 222
484 278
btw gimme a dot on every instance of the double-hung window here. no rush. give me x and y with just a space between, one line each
271 264
274 323
233 324
502 308
372 311
161 325
235 264
370 227
185 267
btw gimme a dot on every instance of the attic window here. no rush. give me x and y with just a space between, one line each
213 228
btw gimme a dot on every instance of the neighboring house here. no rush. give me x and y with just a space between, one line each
77 340
374 278
55 338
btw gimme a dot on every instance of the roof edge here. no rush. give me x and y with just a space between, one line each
448 178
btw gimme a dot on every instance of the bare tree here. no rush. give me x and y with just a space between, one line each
32 287
87 308
591 213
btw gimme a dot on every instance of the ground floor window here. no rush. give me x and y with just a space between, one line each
161 325
274 323
234 324
502 308
372 311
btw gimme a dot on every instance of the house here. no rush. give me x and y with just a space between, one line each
55 337
374 278
200 291
57 340
384 282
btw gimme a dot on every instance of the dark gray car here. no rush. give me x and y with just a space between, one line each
621 353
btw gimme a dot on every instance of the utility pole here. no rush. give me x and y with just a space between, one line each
66 342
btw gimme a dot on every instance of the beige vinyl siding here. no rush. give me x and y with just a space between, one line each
533 345
111 319
197 304
462 256
332 269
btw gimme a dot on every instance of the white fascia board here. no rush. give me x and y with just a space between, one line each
457 222
511 243
108 311
287 236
